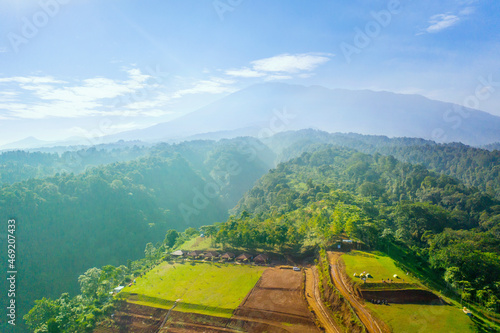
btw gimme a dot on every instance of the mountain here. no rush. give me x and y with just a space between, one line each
29 142
32 143
265 109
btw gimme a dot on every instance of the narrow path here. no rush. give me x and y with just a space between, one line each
371 324
314 300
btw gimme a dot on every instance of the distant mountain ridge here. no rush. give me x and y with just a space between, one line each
265 109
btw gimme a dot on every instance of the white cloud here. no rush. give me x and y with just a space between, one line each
468 11
139 113
138 94
30 80
44 96
441 21
289 63
306 75
212 86
38 97
282 67
8 96
278 77
444 21
244 72
149 102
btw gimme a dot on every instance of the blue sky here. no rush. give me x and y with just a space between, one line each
93 68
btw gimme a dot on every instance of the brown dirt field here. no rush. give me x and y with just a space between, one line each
278 299
406 296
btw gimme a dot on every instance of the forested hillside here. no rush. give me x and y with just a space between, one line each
318 197
18 165
67 223
473 166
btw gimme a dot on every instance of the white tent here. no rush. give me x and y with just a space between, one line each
118 289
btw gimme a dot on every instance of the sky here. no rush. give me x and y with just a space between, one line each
90 68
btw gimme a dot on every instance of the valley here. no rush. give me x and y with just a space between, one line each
321 195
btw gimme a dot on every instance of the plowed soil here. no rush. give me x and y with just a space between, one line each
278 299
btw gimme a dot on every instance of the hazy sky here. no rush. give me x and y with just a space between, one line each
92 68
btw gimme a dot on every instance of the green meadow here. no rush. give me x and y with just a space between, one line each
207 288
380 266
198 243
418 318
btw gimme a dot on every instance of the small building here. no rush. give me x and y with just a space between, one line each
228 256
211 255
178 253
245 257
195 254
261 259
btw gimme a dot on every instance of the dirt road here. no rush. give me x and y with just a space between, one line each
314 300
371 324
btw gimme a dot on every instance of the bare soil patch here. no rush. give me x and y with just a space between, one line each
278 299
406 296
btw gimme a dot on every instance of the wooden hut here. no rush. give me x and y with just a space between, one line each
211 255
245 257
195 254
228 256
261 259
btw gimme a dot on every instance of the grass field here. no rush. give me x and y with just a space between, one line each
207 288
416 318
198 243
409 318
380 266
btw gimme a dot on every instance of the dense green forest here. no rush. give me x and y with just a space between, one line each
67 223
16 166
492 146
475 167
